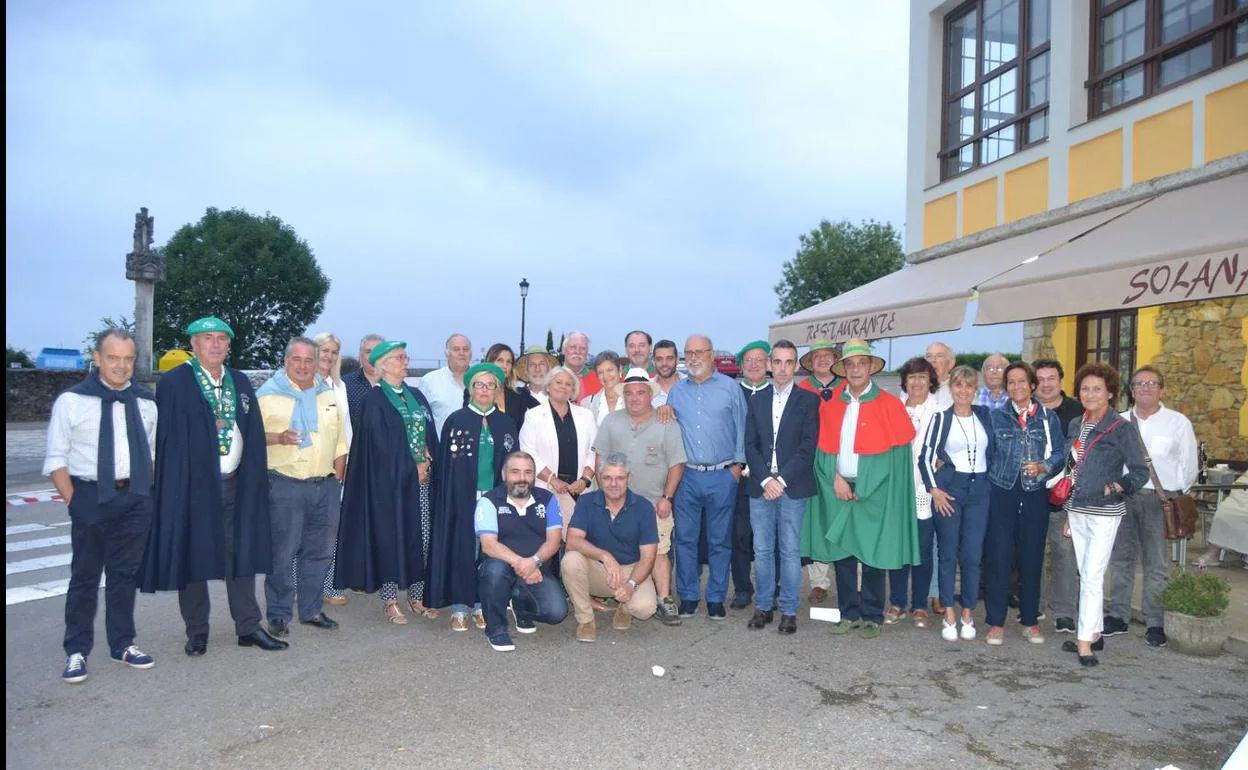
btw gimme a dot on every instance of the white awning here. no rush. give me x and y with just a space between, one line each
1185 245
927 297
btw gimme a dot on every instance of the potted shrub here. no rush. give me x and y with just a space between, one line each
1195 612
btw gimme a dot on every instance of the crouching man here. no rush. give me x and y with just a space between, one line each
519 527
612 542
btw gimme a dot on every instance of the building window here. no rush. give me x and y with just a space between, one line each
996 84
1142 47
1109 338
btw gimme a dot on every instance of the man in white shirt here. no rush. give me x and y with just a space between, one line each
100 452
942 358
444 388
1171 444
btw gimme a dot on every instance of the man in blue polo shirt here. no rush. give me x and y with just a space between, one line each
519 527
612 542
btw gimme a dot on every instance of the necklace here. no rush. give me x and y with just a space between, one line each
972 440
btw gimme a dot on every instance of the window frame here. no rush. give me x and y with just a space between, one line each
1021 63
1115 350
1220 31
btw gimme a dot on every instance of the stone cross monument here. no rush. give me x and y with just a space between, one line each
145 267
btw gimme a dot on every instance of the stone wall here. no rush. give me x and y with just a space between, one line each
1038 339
1202 358
29 393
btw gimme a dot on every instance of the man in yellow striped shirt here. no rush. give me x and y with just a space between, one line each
307 454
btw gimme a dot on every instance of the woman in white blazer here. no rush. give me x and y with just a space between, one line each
557 424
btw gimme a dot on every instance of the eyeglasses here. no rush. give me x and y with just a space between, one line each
689 353
1146 385
488 385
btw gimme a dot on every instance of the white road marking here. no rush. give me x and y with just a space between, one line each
21 529
45 562
47 590
30 545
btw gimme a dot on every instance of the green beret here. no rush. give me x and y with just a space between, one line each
383 348
209 324
755 345
476 369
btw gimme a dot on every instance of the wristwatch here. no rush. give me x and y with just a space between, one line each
537 561
633 583
588 482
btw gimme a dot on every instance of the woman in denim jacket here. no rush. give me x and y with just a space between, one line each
1104 445
1028 449
953 463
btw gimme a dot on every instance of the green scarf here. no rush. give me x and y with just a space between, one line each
225 408
485 451
814 382
413 419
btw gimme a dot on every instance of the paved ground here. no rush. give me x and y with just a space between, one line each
370 694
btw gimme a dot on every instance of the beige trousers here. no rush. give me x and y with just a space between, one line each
584 577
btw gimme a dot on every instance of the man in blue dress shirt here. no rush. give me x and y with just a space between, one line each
711 409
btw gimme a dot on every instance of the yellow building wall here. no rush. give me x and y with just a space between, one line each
1095 167
940 220
1064 342
1243 410
1027 190
1147 340
979 206
1162 144
1226 122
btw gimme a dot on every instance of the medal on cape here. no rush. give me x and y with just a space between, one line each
223 407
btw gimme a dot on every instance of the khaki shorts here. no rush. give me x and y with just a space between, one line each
665 533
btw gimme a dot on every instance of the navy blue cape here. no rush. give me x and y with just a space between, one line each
186 543
380 535
452 576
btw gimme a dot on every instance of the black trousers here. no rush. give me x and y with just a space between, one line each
241 591
106 539
742 544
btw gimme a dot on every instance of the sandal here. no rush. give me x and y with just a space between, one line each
418 608
921 618
394 614
893 614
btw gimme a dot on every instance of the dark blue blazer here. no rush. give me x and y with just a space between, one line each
933 448
795 441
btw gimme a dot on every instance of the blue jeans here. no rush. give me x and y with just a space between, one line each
911 582
713 493
1018 521
498 584
961 537
867 604
773 521
300 517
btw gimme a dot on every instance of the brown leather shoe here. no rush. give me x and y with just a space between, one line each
622 620
937 607
586 632
817 595
335 601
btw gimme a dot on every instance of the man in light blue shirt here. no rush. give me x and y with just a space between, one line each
444 388
711 409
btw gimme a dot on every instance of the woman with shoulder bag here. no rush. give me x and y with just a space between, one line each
1101 445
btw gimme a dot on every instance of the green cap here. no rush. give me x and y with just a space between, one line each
476 369
755 345
383 348
209 324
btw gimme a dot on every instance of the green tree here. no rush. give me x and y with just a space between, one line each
17 356
255 273
91 340
835 258
550 341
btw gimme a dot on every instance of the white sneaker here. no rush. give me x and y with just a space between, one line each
968 630
948 632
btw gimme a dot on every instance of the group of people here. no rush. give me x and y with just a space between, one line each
504 490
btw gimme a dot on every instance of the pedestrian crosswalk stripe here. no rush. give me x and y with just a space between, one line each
30 593
45 562
31 545
21 529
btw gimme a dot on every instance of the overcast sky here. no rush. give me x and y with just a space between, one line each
643 164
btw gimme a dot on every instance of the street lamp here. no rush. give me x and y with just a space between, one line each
524 293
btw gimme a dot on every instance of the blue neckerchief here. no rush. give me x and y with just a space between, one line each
303 418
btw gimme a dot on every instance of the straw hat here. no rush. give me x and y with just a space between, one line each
854 349
521 367
821 344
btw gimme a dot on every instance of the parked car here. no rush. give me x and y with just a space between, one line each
726 363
